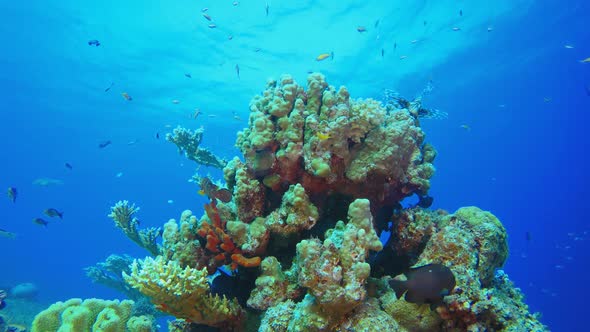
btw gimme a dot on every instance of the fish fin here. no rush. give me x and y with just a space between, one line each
413 298
399 287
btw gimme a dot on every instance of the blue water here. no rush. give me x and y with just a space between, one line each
517 88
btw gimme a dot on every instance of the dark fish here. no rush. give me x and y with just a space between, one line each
157 135
213 191
51 212
104 144
110 86
68 166
266 8
425 284
382 52
188 75
376 23
238 71
40 221
461 12
424 23
12 193
588 90
425 201
94 42
394 45
527 236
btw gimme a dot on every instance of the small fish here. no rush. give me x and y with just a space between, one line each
132 142
238 71
110 86
395 45
188 75
126 96
201 192
361 29
7 234
456 28
547 99
382 52
175 101
587 60
403 57
157 135
490 28
196 113
527 236
170 201
568 46
213 191
207 17
235 3
46 182
236 117
323 136
69 166
94 42
588 90
40 221
51 212
376 23
324 56
266 8
466 127
212 115
414 41
120 174
212 26
12 194
204 9
230 37
461 12
258 49
104 144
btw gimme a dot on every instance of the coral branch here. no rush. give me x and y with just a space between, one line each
188 143
123 214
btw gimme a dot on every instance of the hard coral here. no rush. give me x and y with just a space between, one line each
123 214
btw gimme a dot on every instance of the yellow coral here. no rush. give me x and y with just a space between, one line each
183 293
89 315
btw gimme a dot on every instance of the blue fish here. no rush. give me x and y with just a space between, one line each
94 42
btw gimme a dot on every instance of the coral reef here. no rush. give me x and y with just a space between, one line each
299 223
92 315
183 293
123 214
188 142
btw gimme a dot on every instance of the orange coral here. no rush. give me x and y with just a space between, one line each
219 246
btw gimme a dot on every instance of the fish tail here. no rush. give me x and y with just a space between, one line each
400 287
60 215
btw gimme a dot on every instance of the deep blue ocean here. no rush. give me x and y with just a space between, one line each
511 79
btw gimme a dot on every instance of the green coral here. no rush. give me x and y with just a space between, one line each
90 315
123 214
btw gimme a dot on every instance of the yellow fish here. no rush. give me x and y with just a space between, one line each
587 60
322 136
466 127
201 192
324 56
126 96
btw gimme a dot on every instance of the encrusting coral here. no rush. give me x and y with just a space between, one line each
92 315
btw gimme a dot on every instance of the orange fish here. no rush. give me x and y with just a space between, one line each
213 191
324 56
361 29
126 96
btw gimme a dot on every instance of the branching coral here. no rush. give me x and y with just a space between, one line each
188 143
109 273
123 214
183 293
